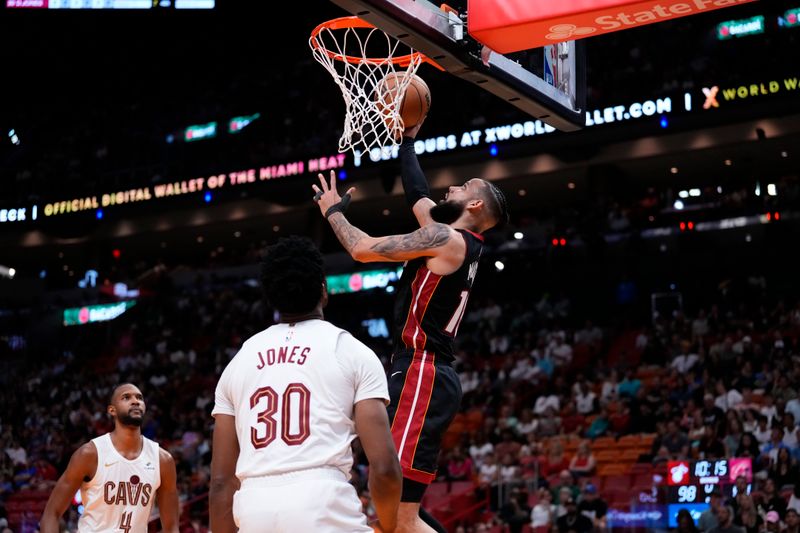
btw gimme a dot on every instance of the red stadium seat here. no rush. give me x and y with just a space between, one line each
617 483
643 480
641 468
461 487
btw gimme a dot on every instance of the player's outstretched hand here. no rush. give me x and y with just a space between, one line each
408 132
326 194
413 130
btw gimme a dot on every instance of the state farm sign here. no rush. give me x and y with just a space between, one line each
508 26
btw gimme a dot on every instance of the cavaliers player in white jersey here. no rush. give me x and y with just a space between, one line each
120 474
441 261
287 409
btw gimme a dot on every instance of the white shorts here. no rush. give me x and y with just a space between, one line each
319 500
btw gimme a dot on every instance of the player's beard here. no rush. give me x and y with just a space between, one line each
128 420
447 211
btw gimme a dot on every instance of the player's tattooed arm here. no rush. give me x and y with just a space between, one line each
427 237
427 241
349 235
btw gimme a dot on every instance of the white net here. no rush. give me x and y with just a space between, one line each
372 69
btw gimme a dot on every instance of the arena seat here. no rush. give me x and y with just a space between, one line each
474 420
436 494
617 482
629 441
612 470
603 443
630 455
641 468
641 481
460 487
608 456
647 439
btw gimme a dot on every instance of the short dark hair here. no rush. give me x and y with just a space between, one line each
116 388
292 275
496 202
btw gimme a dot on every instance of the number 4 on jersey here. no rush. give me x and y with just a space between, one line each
125 522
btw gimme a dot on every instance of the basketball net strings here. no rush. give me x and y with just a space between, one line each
372 114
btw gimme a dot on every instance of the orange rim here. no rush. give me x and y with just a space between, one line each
343 23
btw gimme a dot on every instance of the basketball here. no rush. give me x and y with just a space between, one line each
416 102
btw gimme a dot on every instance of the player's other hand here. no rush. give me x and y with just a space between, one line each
413 130
326 194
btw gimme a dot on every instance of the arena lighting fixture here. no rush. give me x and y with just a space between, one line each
518 235
499 266
7 272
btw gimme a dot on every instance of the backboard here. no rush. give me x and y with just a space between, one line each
548 83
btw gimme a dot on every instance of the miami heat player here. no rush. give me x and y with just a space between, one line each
442 260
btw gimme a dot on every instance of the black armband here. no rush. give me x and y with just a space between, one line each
339 207
415 185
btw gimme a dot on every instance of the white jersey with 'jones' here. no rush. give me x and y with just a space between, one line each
292 389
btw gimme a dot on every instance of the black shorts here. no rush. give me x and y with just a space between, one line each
425 397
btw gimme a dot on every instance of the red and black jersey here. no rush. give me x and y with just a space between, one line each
429 307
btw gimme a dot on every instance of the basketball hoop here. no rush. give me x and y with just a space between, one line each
359 57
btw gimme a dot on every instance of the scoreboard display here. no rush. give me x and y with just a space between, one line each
714 472
698 493
690 483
